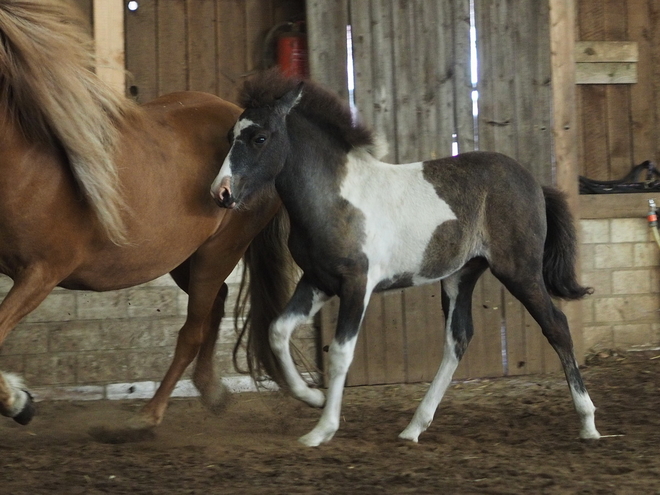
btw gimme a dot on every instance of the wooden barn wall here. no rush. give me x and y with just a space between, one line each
201 45
619 122
412 84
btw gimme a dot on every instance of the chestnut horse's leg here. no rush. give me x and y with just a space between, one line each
214 393
31 286
202 276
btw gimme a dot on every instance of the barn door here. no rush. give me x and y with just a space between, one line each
413 84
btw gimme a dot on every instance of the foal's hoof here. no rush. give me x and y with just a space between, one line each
26 415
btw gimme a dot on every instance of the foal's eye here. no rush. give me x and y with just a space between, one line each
259 140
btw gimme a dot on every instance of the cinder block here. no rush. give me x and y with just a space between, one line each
14 364
102 367
165 333
631 281
84 392
628 335
134 390
613 256
149 302
58 306
595 231
629 230
587 254
598 337
640 308
102 305
51 369
646 254
600 280
148 364
77 335
128 333
27 338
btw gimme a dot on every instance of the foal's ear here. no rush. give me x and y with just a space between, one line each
286 103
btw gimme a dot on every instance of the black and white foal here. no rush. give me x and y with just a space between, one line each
359 225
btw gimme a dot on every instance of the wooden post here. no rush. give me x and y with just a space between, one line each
564 129
109 42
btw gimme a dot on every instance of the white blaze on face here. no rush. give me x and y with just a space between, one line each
401 209
225 170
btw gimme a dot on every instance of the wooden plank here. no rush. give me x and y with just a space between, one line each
172 63
405 55
373 329
610 51
202 50
258 18
141 55
653 64
424 323
109 42
606 73
369 332
382 70
644 119
326 40
562 41
462 75
627 205
232 49
593 103
362 60
393 334
86 8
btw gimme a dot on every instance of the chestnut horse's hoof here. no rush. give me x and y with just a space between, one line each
26 415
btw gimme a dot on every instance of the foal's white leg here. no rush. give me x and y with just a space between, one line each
340 358
584 407
426 409
311 299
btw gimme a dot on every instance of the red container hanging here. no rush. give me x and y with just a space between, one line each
292 53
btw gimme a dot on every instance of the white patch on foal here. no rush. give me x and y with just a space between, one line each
401 209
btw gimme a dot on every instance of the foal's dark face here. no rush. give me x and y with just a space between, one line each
259 149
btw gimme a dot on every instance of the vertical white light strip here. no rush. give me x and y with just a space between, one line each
350 74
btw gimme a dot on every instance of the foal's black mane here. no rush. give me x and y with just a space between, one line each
316 104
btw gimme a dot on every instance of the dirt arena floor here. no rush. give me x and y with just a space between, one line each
503 436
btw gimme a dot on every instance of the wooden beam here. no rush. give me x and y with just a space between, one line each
109 42
564 130
606 51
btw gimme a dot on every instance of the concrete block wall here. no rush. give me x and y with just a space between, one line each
620 259
93 343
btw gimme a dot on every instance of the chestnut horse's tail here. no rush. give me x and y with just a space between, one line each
48 88
560 253
268 270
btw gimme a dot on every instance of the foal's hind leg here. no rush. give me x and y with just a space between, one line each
306 301
535 298
457 305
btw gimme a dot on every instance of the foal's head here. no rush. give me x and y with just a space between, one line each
258 151
261 140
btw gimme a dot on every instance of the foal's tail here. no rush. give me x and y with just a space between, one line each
265 289
560 253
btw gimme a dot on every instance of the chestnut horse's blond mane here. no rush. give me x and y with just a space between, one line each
48 88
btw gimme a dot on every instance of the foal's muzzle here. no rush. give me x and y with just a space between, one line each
223 196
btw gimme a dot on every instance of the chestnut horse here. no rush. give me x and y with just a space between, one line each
98 193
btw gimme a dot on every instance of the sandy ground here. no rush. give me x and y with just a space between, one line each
505 436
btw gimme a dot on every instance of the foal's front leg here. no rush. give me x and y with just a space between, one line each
306 301
351 311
